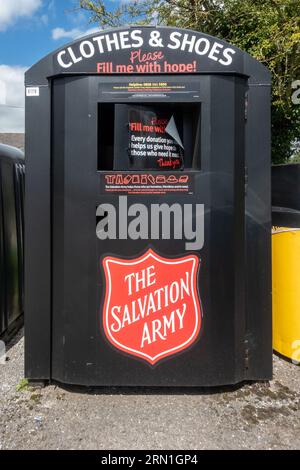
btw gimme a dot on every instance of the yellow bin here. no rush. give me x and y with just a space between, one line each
286 291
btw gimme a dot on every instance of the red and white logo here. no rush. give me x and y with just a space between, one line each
151 309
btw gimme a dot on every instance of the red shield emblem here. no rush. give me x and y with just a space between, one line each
151 309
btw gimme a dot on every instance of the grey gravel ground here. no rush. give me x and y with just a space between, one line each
256 416
16 140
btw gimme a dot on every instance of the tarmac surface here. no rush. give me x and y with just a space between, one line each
253 416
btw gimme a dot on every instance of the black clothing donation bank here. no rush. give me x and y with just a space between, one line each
148 212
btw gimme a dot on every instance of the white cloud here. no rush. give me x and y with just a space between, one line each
75 33
12 10
12 98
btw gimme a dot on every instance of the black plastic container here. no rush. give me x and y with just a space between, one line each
286 195
12 184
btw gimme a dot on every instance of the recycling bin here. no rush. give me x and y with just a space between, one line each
148 212
12 171
286 260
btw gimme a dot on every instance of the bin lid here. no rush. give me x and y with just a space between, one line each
127 50
11 153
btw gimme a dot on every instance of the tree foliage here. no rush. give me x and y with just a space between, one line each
269 30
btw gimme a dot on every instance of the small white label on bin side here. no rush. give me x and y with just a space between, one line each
32 91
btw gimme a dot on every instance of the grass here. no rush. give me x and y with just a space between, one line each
22 385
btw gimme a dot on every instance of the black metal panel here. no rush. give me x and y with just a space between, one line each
77 340
38 235
258 232
65 286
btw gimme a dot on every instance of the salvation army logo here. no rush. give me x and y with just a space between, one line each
151 309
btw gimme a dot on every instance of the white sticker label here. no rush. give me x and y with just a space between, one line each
32 91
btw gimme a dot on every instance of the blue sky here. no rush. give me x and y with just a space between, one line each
30 29
43 26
